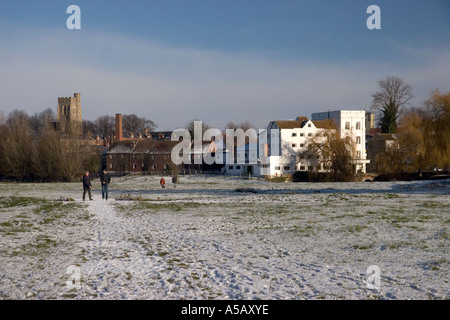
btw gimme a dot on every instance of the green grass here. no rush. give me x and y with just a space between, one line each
12 202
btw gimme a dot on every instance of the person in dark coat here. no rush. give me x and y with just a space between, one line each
174 181
87 186
105 180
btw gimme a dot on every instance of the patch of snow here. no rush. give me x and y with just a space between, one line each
226 238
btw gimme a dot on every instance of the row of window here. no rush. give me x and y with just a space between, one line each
303 168
135 166
294 134
357 127
150 157
302 145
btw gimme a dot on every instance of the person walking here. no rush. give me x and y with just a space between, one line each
174 181
87 186
162 182
105 180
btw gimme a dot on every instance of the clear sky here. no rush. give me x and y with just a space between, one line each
173 61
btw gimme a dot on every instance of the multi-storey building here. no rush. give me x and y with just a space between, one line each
350 123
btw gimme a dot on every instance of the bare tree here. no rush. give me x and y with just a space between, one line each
391 99
133 124
49 155
190 126
42 120
105 125
89 127
17 147
334 153
423 136
242 125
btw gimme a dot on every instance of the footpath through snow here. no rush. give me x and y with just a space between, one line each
209 238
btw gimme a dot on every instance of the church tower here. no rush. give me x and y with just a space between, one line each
68 114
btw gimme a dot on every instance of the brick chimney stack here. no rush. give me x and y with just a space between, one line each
119 134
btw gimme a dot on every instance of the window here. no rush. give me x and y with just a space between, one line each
230 167
277 168
358 125
310 134
287 168
110 156
302 145
358 140
294 135
238 167
302 167
302 134
358 154
111 165
347 125
166 167
294 145
309 125
154 166
310 168
134 165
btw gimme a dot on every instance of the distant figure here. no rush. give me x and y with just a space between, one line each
162 182
87 186
174 181
105 180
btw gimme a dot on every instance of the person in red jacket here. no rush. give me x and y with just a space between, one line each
162 182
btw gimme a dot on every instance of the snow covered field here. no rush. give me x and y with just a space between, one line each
225 238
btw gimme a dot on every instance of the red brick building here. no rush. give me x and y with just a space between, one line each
150 156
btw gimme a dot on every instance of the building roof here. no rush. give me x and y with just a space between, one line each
289 124
143 146
324 124
302 121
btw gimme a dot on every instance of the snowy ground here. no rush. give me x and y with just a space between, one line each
225 238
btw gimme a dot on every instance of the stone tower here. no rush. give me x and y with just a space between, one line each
68 114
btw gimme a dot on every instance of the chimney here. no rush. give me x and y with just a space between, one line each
119 134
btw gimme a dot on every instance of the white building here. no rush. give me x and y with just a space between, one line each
350 123
279 150
293 137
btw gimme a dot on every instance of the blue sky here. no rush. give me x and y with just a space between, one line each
218 60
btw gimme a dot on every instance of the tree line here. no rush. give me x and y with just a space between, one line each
422 137
32 149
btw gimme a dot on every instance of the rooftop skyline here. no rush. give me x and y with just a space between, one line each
216 61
